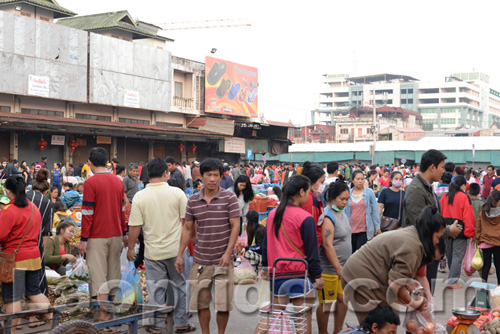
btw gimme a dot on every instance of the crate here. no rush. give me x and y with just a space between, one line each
261 203
263 215
252 205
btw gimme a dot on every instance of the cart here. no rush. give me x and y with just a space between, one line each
278 318
129 320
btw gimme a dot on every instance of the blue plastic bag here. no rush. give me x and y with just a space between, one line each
129 290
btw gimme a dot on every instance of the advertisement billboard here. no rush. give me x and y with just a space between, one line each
230 88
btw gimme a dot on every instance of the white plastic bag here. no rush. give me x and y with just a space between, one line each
123 259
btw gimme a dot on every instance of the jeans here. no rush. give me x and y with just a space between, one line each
487 253
166 287
455 252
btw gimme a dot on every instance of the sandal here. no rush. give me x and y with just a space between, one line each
106 330
153 330
189 328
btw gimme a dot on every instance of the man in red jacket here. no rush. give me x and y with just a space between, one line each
490 176
103 226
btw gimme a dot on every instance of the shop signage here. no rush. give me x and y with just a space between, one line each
57 140
39 86
249 154
103 140
131 99
234 145
81 141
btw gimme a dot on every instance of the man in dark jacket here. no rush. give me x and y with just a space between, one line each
226 182
420 194
174 171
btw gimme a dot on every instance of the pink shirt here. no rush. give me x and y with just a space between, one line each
358 216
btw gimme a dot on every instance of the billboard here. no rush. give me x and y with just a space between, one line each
230 88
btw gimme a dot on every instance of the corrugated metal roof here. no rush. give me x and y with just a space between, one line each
51 5
112 20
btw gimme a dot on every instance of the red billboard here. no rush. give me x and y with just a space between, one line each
230 88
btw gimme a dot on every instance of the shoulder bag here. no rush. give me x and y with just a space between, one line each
389 224
291 243
8 260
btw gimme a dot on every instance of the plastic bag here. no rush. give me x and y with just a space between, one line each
123 259
477 260
420 321
469 255
244 273
281 323
80 270
495 296
129 290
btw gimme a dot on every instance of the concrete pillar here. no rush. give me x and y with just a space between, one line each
67 156
114 147
151 149
14 145
184 154
17 105
115 114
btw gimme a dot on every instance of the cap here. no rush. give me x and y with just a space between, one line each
4 200
196 163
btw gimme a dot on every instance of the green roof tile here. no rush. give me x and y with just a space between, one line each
51 5
113 20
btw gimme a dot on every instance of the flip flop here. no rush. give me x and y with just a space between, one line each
234 91
223 88
153 331
190 328
216 72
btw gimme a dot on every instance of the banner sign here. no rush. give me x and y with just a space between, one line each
131 99
57 140
39 86
234 145
230 88
103 140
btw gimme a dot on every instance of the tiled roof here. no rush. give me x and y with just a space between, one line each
51 5
113 20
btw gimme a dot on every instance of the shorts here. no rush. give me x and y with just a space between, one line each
291 287
201 287
26 282
331 290
103 259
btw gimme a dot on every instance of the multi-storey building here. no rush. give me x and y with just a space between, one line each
461 100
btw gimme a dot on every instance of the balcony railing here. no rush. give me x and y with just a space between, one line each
183 102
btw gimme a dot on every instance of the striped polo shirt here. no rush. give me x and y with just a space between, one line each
214 229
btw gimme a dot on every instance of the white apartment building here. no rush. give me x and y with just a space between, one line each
462 100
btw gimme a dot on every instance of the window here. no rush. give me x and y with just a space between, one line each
410 91
448 121
344 131
410 101
5 109
93 117
360 132
42 112
133 121
403 91
169 125
178 89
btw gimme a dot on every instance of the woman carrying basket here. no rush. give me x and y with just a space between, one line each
291 233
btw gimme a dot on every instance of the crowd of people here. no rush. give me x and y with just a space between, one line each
381 224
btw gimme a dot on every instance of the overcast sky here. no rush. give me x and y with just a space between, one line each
292 46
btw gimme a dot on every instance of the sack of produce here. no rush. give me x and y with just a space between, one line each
421 322
80 270
477 260
495 296
469 255
244 273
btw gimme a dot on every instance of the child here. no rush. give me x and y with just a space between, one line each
60 213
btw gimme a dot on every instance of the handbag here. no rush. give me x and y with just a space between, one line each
387 223
8 260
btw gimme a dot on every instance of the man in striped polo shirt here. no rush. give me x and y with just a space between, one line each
217 214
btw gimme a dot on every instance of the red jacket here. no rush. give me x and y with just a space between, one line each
14 222
461 209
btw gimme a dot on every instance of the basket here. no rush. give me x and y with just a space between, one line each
262 215
252 205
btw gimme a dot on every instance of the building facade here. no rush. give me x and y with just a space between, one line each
461 100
